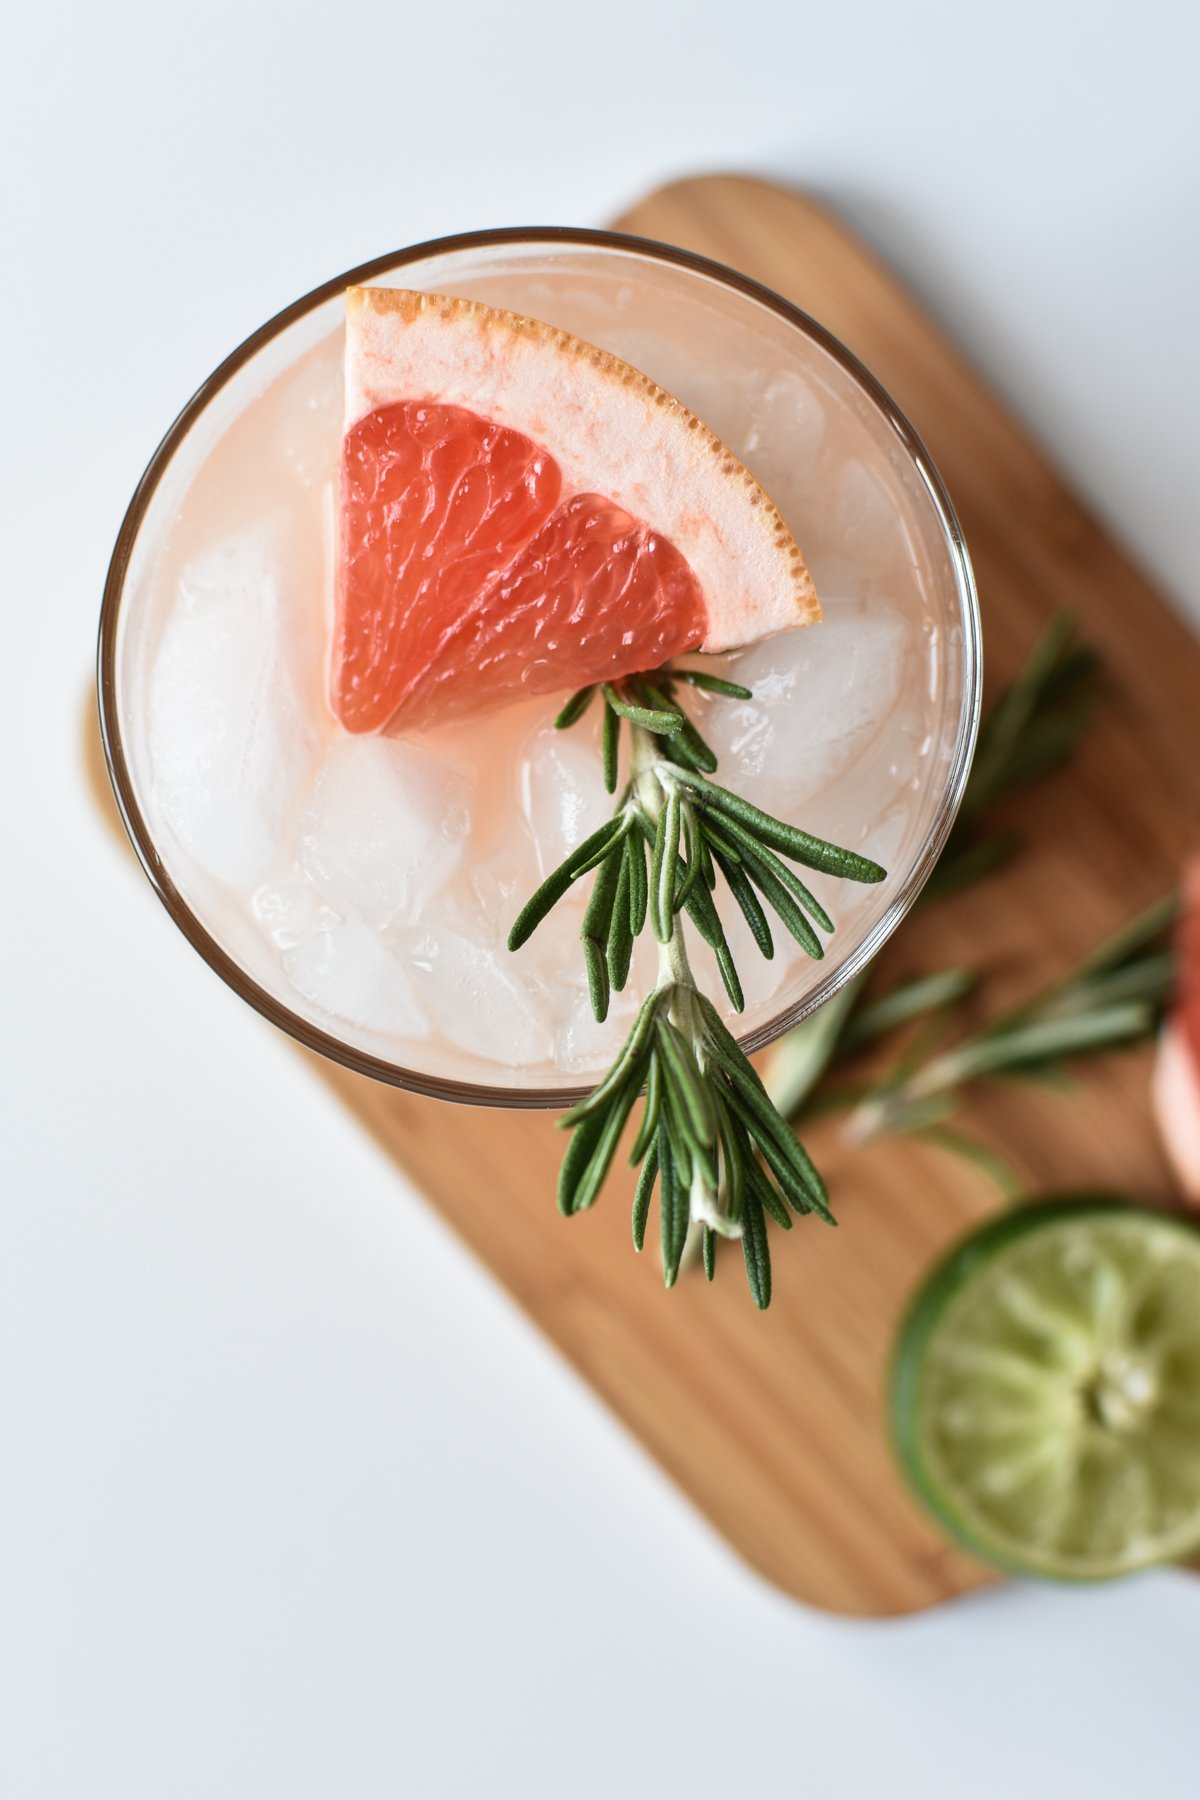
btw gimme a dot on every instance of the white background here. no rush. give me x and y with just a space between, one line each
291 1502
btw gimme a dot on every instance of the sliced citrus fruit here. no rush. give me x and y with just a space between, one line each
1045 1395
1176 1085
523 513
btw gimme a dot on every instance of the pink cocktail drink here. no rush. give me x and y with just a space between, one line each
361 888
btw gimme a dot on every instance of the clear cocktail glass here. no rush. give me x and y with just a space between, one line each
887 688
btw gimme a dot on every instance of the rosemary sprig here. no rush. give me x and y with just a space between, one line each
1113 999
847 1024
1034 726
691 831
709 1140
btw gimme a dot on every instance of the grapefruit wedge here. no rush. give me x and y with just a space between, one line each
522 513
1176 1084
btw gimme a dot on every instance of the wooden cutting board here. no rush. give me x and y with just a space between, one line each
773 1424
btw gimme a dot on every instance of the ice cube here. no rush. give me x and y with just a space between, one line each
483 903
820 697
345 970
291 911
385 829
562 787
231 751
584 1047
478 1000
490 891
869 522
786 436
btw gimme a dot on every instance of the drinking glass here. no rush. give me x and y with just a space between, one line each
764 376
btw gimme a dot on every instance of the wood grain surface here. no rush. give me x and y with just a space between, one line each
773 1424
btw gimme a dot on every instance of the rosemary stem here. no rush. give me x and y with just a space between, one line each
675 977
674 969
872 1118
690 1257
646 791
877 1115
644 767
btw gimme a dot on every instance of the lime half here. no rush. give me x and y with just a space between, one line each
1045 1394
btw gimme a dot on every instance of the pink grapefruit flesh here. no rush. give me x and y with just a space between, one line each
521 513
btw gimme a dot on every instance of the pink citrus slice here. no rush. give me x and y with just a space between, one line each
522 513
1176 1086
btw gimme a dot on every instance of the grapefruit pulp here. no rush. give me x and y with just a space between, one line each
522 513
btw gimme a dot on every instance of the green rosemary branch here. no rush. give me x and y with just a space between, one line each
673 833
1034 726
709 1141
847 1024
1113 999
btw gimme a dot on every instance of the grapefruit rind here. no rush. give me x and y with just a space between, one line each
610 428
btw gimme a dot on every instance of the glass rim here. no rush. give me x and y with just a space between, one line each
312 1036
